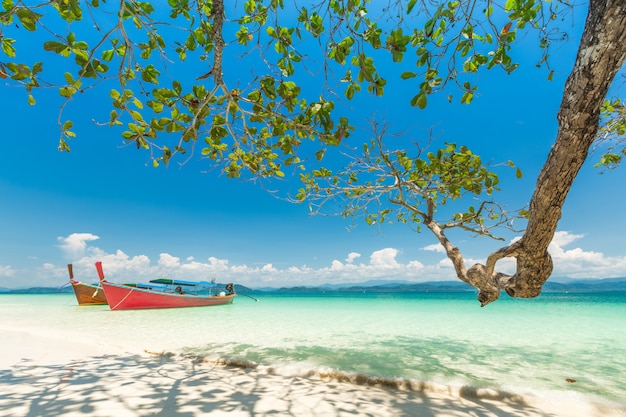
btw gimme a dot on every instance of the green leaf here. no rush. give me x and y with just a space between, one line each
177 86
410 6
467 98
350 92
108 55
408 74
150 74
137 103
81 45
156 106
20 71
67 91
28 18
7 4
57 47
420 101
63 146
7 47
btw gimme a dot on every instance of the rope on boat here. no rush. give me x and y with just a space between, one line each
246 295
125 297
64 285
98 288
231 290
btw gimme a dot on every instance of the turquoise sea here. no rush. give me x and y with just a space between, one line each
564 345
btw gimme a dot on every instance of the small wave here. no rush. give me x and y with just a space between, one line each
521 397
335 375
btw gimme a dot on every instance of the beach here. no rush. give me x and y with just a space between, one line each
48 376
291 357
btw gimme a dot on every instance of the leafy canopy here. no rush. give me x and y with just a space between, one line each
171 87
240 81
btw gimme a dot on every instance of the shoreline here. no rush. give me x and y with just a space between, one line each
57 376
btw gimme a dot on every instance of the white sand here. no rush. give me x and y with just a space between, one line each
52 376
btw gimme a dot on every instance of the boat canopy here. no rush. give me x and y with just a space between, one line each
153 287
180 282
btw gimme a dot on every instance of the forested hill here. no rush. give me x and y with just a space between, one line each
381 286
558 285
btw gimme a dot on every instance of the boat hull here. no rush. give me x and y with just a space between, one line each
88 294
124 297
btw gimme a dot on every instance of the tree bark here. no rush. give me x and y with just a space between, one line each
600 56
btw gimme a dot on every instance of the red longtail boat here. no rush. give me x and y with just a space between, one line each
174 294
86 294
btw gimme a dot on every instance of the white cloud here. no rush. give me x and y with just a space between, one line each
336 265
415 265
168 261
435 247
75 244
218 264
578 263
505 265
352 256
6 271
381 264
563 238
384 258
573 263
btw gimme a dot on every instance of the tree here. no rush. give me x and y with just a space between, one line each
258 127
601 55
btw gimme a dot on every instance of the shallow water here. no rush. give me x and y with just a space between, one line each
444 339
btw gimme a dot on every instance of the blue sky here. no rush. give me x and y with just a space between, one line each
104 201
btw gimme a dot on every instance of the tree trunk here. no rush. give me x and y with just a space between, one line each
600 56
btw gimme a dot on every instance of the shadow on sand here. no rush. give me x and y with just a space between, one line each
137 385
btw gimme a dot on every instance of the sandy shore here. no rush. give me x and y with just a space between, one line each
49 376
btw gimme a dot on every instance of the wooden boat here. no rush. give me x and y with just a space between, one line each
163 293
86 294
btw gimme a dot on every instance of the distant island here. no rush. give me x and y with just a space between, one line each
553 285
37 290
382 286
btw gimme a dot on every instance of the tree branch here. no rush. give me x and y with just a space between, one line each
601 54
